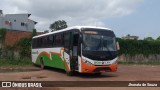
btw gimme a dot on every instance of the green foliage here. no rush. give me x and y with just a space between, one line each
140 63
58 25
2 38
2 33
149 39
15 62
24 45
158 39
46 31
10 51
34 33
134 47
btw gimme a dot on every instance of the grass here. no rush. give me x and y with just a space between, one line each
140 63
15 62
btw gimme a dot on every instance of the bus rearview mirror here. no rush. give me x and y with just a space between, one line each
117 45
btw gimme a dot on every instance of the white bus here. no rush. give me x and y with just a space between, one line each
85 49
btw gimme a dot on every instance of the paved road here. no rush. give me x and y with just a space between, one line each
124 73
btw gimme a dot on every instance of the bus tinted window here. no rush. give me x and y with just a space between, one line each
67 41
54 40
34 41
44 42
50 41
59 40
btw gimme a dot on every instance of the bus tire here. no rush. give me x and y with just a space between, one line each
98 74
69 73
42 63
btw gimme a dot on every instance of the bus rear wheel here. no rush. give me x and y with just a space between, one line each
41 64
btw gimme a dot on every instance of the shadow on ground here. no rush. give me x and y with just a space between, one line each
82 75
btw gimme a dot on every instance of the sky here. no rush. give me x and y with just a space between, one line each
134 17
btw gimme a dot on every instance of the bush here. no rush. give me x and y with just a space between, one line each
134 47
15 62
24 46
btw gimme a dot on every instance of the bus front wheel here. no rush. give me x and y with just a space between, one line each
69 73
98 74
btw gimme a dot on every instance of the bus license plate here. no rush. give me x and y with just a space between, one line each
101 63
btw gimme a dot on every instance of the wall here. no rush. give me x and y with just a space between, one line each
13 36
139 58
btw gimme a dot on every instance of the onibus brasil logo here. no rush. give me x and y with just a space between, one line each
21 84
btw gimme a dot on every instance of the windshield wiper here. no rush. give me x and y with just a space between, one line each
106 47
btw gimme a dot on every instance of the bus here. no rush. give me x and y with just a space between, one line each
83 49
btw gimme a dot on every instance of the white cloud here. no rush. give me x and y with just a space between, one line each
75 12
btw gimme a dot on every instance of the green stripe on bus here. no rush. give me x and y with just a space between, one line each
56 61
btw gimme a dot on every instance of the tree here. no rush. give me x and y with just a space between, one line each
58 25
24 45
46 31
2 35
2 38
149 39
158 39
34 32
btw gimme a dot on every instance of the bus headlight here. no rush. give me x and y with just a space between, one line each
115 62
88 63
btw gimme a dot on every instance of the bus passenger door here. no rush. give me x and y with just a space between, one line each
68 50
71 50
75 50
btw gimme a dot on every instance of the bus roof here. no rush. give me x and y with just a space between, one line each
70 28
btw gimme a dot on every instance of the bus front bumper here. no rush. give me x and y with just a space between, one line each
98 69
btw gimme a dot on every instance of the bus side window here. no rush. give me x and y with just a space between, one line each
66 41
44 42
39 43
59 40
53 41
50 41
33 43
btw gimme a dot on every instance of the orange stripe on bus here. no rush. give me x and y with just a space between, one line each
45 53
90 68
66 66
58 54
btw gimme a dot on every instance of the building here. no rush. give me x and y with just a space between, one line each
20 22
18 26
12 37
129 37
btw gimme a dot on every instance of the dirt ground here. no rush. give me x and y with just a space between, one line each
124 73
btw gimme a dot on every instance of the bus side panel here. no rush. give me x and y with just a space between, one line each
79 64
52 57
34 55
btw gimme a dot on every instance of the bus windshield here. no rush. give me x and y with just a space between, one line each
98 43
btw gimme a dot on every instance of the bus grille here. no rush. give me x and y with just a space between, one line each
106 69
